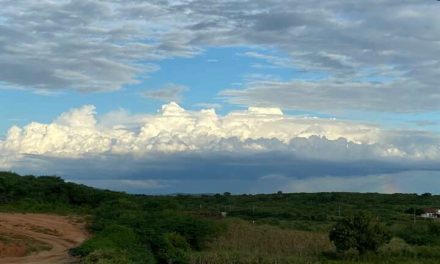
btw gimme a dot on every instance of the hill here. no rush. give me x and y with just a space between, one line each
263 228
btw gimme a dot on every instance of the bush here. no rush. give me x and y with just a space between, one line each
197 231
359 232
172 248
428 252
108 256
112 243
396 247
421 233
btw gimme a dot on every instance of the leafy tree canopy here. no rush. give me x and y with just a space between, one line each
360 232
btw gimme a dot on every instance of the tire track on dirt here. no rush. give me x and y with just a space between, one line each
60 232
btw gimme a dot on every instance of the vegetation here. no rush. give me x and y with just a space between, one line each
359 232
271 228
245 242
125 228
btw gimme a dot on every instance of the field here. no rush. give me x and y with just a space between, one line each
190 229
249 243
245 242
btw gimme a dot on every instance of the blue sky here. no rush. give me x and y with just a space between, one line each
334 86
205 75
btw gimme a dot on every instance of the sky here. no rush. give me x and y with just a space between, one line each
189 96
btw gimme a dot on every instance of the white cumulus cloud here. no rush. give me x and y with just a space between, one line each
80 132
178 146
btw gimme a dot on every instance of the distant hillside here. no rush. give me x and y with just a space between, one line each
311 211
307 211
190 229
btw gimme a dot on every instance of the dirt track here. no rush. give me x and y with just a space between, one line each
58 232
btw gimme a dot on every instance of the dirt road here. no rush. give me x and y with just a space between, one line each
50 235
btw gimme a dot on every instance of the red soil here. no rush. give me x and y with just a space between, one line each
59 233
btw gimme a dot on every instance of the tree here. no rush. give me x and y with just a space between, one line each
412 210
360 232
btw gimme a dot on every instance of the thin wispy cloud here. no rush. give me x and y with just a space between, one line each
169 93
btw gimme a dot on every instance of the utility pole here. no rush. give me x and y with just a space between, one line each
339 210
414 215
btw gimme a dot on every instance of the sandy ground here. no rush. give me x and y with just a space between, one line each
60 232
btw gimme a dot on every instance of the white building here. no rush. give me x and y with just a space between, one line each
431 213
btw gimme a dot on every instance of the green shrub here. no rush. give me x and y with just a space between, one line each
111 240
172 248
106 256
428 252
421 233
396 247
197 231
360 232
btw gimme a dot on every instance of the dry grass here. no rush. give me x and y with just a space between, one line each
248 243
15 245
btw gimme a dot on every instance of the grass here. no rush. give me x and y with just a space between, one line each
245 242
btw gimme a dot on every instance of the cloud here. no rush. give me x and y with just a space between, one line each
401 182
271 60
170 92
239 173
372 64
333 96
378 55
208 105
372 56
177 145
85 45
174 129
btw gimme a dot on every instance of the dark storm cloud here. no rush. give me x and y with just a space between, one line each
198 173
304 159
